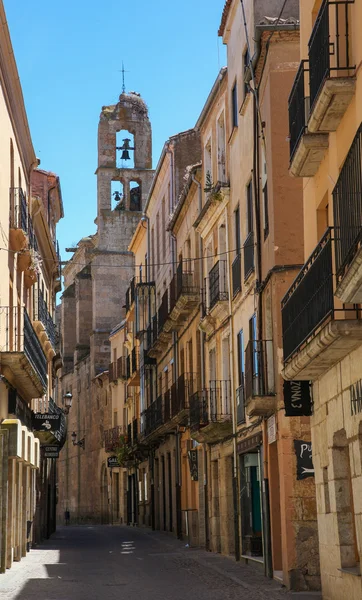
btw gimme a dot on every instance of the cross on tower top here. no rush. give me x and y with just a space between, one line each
123 71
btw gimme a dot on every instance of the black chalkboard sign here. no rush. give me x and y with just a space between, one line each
297 398
303 451
194 464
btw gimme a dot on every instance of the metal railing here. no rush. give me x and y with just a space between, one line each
309 302
134 360
121 368
153 417
18 209
199 415
128 366
42 314
135 431
236 273
34 351
240 402
163 312
181 392
249 261
218 290
112 438
212 405
347 207
167 406
329 45
112 371
298 105
129 434
259 369
130 294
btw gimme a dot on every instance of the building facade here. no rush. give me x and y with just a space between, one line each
321 310
277 512
30 277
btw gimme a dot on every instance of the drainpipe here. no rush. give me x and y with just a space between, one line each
233 402
202 374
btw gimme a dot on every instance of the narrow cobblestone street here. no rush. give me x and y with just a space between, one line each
94 563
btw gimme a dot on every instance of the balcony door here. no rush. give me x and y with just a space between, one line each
213 390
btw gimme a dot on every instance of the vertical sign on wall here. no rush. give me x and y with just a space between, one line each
303 451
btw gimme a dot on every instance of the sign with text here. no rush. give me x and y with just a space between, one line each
297 398
303 451
112 461
51 451
46 422
193 457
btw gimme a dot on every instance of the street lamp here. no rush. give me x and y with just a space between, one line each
68 397
81 442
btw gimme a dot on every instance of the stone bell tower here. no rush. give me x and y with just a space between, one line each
124 176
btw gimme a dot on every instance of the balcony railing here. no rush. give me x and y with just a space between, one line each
34 351
42 314
236 271
153 417
134 360
309 302
259 369
112 438
128 366
129 434
18 210
329 45
121 368
249 255
163 312
112 371
167 406
347 207
298 105
218 290
130 294
212 405
240 403
134 431
181 392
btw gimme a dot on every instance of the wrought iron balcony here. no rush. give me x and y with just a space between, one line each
236 272
133 367
240 402
18 219
135 431
260 396
21 350
144 300
130 295
347 209
121 368
153 417
180 396
42 315
249 261
218 290
113 438
323 88
210 412
162 324
318 330
112 372
184 293
167 406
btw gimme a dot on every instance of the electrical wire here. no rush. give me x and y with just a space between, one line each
188 260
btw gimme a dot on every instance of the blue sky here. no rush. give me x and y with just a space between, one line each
69 56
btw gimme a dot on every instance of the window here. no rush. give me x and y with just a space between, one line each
246 61
234 105
241 358
249 207
266 211
163 224
158 240
237 230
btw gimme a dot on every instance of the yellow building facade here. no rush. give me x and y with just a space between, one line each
321 311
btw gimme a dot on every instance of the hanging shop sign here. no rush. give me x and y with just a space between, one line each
112 461
18 407
193 457
355 391
303 451
51 451
297 398
46 422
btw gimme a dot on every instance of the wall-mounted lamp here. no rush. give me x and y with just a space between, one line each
68 397
81 442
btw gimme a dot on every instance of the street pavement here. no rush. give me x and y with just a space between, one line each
116 563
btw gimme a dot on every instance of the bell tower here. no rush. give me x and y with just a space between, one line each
124 176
